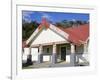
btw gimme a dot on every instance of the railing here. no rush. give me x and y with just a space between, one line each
82 57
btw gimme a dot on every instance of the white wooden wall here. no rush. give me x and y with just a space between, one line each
47 36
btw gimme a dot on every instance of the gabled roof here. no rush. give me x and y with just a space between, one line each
45 24
76 35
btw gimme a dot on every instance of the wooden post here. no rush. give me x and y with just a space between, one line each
54 55
85 48
40 55
72 55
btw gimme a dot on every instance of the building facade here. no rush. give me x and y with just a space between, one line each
56 44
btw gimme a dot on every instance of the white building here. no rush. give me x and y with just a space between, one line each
54 44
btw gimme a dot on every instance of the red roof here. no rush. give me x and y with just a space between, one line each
77 34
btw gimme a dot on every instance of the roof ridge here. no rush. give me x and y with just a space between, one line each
45 23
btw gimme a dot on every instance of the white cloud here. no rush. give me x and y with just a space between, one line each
26 15
45 15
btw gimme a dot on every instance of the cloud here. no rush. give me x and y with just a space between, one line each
26 15
45 15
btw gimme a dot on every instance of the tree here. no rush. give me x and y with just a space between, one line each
67 24
28 29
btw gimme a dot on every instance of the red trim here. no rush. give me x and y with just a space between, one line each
24 44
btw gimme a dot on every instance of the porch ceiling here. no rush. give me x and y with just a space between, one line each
45 44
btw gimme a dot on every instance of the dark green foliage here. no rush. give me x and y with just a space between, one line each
28 29
67 24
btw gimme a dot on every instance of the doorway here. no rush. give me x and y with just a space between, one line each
63 53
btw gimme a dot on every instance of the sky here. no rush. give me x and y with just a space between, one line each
53 16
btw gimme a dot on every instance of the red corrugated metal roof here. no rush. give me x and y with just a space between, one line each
77 34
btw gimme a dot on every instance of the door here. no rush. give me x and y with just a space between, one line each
63 53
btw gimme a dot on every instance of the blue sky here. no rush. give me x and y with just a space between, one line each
53 16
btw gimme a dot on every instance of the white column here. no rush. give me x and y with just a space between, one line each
86 57
85 48
72 55
40 55
54 55
40 49
54 49
72 49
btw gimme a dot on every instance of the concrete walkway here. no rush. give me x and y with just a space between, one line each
50 65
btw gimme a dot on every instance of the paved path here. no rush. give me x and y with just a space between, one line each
49 65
